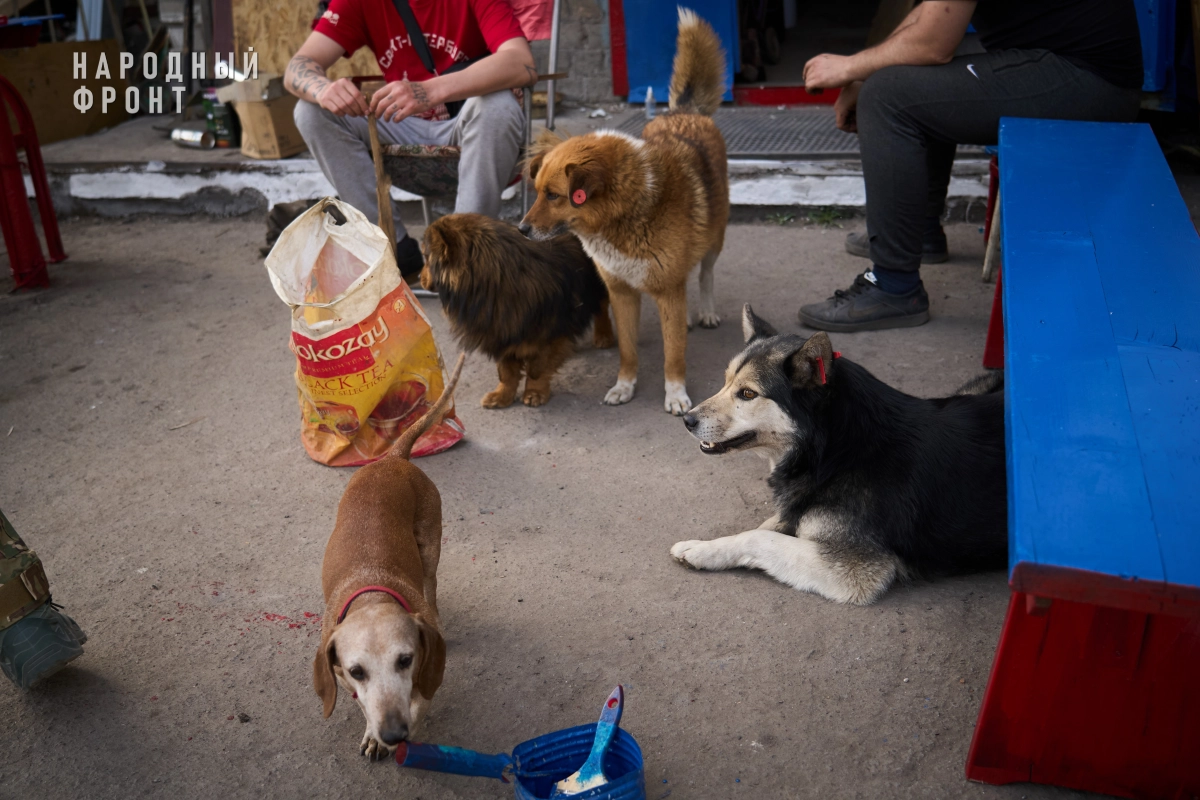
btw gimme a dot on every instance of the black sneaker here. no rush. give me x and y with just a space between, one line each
411 262
933 250
866 307
409 258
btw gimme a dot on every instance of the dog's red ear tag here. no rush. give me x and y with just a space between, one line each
821 369
579 197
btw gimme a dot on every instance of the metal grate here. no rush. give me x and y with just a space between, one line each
769 133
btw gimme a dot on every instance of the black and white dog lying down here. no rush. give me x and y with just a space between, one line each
870 484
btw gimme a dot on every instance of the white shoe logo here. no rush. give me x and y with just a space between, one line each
971 69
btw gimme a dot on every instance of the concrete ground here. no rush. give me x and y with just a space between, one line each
150 452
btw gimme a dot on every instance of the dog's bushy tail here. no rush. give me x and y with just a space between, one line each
698 75
987 383
404 445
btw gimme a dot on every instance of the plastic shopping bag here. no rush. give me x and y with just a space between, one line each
366 363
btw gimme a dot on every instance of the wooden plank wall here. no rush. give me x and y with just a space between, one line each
43 76
276 30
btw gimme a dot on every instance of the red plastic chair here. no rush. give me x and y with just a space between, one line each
20 237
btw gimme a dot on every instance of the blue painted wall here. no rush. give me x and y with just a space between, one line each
650 28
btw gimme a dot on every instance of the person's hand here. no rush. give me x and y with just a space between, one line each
826 71
343 98
401 99
846 108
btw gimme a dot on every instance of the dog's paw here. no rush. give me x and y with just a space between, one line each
694 554
677 401
496 399
709 319
697 554
620 393
535 397
374 749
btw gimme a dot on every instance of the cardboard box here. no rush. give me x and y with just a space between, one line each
265 111
267 86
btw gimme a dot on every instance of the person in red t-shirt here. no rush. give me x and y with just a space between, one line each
411 108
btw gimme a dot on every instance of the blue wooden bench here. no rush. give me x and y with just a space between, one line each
1096 681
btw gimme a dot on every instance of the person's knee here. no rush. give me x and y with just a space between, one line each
498 109
311 120
887 91
307 117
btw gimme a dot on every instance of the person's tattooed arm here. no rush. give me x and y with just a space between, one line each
305 78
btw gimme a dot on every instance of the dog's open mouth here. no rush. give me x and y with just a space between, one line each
716 448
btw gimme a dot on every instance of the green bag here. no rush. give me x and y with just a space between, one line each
36 638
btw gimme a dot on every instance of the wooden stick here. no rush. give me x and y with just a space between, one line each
383 184
991 256
118 34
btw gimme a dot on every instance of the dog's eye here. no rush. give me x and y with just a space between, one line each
747 394
357 672
551 196
403 663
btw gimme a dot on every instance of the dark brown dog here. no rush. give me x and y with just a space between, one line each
380 636
523 303
647 210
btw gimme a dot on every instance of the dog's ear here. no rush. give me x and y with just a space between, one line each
323 678
812 364
546 141
433 659
587 181
755 327
441 243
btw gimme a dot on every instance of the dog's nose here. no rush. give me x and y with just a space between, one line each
690 421
393 733
525 228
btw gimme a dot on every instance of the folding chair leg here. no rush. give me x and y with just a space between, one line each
425 210
527 96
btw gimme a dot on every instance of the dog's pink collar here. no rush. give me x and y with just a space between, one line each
395 596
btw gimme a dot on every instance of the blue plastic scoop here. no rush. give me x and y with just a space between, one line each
542 768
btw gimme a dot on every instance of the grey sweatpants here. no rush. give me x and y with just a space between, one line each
489 129
911 118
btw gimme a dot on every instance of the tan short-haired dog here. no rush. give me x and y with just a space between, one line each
380 636
647 210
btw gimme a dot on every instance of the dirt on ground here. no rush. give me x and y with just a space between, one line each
150 452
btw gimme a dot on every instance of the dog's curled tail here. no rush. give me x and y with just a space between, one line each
404 445
698 75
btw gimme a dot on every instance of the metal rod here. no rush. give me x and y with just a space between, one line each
553 66
146 25
50 22
87 31
189 39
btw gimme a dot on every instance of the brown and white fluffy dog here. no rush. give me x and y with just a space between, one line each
380 636
522 302
647 210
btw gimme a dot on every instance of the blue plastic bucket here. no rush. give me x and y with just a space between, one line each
547 759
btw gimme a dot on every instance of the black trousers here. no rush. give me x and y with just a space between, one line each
911 118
